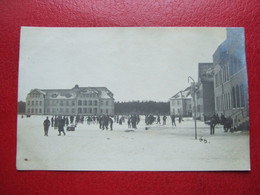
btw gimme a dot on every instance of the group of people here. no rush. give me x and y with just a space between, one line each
104 121
222 120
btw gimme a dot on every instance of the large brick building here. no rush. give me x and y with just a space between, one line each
205 94
75 101
230 82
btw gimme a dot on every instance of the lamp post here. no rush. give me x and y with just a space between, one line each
195 106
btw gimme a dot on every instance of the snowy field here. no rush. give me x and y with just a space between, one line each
162 148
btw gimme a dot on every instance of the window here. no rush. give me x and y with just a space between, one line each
28 110
238 96
242 95
79 102
106 111
32 111
95 110
90 110
85 110
40 110
73 110
40 103
36 110
101 103
73 103
61 103
101 111
106 103
234 97
90 102
67 103
85 102
28 103
32 103
95 102
79 110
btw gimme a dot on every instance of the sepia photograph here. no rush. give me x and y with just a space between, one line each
133 99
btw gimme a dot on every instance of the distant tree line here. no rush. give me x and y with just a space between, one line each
21 107
142 107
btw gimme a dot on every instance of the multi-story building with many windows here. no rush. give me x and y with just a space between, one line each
75 101
180 103
230 82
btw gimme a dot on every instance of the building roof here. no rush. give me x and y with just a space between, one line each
102 92
185 94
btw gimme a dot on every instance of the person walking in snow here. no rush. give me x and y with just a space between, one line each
46 125
52 120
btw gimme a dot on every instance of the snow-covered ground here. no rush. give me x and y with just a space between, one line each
163 148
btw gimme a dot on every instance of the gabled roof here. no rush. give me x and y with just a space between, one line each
185 94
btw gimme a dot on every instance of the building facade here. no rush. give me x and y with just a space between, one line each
230 79
75 101
205 91
180 103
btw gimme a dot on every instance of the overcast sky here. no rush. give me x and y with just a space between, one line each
134 63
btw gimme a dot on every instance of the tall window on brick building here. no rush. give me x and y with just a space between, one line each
233 97
242 95
238 96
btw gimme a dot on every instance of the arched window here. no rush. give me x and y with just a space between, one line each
242 93
238 96
233 97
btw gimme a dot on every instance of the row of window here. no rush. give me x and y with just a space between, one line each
34 95
176 102
34 111
237 96
223 75
29 103
72 103
88 95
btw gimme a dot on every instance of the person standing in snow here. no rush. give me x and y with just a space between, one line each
110 120
52 120
158 120
61 124
173 120
164 120
46 125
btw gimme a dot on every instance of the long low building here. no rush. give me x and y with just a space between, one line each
75 101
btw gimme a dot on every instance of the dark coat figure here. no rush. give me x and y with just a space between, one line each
180 118
222 119
61 124
117 119
173 120
105 122
100 121
158 120
46 125
164 120
129 122
228 124
134 121
138 119
213 122
67 121
71 119
120 121
110 120
55 122
52 121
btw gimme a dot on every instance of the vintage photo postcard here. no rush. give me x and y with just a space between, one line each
133 99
